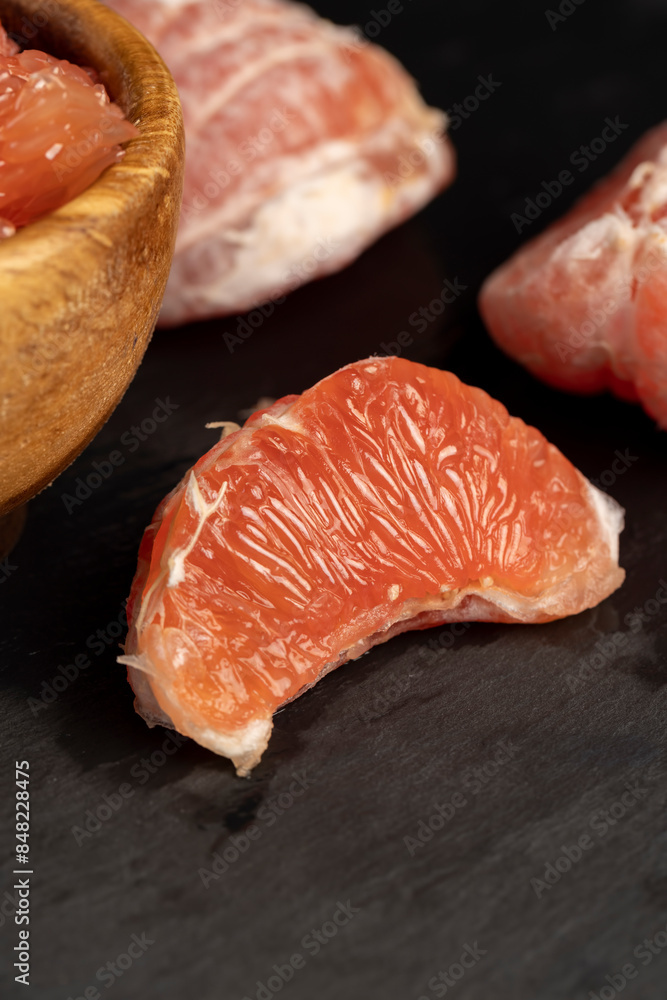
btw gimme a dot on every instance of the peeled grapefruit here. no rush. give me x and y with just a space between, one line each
58 132
584 305
388 497
304 144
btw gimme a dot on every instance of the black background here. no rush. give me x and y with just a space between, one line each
384 740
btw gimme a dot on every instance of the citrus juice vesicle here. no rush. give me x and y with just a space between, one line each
58 132
584 304
388 497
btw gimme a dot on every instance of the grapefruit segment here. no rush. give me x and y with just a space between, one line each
58 132
304 143
388 497
583 304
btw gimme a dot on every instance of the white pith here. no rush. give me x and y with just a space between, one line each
481 601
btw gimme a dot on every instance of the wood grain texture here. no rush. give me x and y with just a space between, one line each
80 290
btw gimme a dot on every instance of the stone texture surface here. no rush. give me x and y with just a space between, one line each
381 743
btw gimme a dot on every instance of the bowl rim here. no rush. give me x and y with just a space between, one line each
85 32
62 276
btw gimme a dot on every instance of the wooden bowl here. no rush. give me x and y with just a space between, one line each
80 289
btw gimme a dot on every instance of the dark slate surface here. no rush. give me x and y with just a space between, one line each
410 733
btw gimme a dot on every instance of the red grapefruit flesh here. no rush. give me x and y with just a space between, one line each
58 132
304 144
584 305
388 497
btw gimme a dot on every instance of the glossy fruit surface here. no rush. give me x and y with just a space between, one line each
584 305
388 497
304 144
58 132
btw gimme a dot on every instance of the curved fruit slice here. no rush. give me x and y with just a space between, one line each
58 132
388 497
304 145
584 305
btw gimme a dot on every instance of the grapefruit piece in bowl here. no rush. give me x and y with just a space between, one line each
584 304
388 497
46 106
80 286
